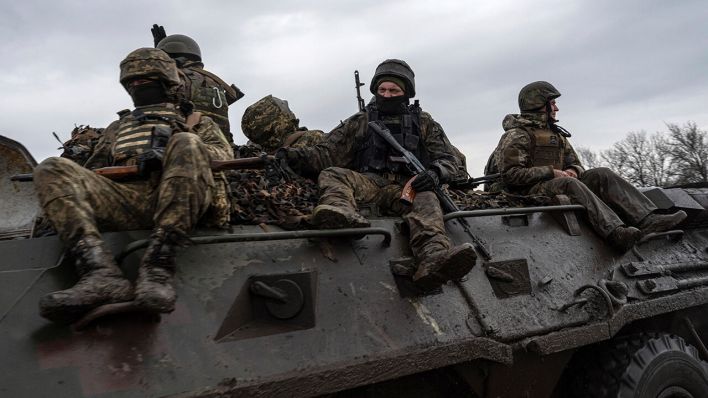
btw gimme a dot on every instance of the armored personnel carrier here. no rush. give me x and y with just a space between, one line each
552 311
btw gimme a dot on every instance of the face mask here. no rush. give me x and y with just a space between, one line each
392 105
148 94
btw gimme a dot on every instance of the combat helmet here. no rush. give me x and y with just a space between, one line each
268 121
151 63
534 96
398 69
180 45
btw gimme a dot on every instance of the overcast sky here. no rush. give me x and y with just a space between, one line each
620 65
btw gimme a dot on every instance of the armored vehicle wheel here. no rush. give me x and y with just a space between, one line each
639 366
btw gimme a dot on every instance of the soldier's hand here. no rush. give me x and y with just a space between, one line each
426 181
571 173
559 173
158 33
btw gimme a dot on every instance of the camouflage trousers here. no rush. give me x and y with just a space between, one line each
345 188
609 199
79 202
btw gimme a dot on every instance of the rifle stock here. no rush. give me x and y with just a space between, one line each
124 172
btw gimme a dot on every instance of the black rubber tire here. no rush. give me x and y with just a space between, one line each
638 366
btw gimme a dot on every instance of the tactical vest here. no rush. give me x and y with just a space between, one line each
211 95
135 131
374 155
547 148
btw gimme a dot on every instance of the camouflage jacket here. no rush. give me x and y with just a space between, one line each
515 153
339 148
210 94
206 129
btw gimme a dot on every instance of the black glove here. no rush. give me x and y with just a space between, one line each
158 33
150 161
287 161
426 181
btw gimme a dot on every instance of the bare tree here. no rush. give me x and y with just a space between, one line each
688 149
641 159
588 158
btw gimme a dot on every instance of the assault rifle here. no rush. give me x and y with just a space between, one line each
358 84
267 162
408 194
472 183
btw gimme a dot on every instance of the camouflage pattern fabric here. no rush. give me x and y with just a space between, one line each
462 173
345 188
305 138
156 64
79 202
79 147
209 94
268 122
255 200
517 158
606 196
336 156
341 145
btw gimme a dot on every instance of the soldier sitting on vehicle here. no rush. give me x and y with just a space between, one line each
270 124
535 157
176 188
357 167
210 95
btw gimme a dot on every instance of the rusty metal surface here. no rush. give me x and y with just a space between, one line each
19 202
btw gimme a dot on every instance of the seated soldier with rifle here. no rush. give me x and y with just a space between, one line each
171 148
358 165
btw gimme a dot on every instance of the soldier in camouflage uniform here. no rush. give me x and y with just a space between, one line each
208 92
535 157
175 189
270 124
80 146
356 167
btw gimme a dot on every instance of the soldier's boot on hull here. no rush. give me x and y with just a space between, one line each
623 238
101 282
154 288
661 222
452 264
334 217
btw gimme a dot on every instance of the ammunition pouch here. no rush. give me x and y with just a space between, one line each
151 160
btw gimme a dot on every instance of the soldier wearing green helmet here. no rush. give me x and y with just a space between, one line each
357 166
175 189
535 157
209 93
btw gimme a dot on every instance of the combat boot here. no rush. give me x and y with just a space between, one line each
661 222
333 217
154 290
101 282
623 238
452 264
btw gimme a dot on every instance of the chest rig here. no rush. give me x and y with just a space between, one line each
139 130
209 96
548 148
374 155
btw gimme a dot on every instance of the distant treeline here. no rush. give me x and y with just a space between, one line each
674 157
